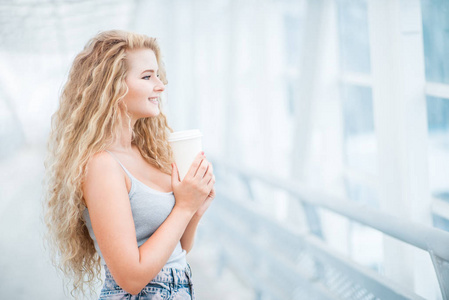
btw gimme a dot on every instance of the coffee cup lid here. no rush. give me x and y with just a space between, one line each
184 135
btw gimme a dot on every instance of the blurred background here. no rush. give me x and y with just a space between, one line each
327 122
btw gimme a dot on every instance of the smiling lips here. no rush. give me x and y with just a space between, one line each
154 100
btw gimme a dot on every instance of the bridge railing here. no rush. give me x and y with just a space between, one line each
280 262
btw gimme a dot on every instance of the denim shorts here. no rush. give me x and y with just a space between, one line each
169 283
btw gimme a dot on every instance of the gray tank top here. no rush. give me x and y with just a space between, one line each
149 208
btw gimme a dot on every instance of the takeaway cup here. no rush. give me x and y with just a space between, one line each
185 145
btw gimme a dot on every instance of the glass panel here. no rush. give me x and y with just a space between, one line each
438 123
292 26
360 144
437 116
441 222
354 36
436 39
292 32
366 246
361 193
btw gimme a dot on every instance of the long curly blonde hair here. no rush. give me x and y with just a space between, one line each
87 121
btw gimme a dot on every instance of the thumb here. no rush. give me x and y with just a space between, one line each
174 174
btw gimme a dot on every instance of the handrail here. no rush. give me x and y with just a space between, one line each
419 235
268 257
367 278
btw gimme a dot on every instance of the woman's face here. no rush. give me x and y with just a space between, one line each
144 86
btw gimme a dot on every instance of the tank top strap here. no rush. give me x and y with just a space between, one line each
126 171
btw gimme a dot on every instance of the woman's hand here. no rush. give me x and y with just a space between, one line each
200 212
195 189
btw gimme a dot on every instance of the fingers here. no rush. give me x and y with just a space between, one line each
209 174
195 164
210 185
201 172
211 181
212 193
202 169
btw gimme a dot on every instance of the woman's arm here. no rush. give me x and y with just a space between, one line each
188 237
107 199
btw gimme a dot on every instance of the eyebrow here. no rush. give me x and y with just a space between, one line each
150 70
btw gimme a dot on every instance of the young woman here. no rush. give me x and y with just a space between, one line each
114 198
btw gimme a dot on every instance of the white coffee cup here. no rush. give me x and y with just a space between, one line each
185 145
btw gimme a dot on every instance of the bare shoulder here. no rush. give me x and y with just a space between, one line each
102 166
101 161
102 172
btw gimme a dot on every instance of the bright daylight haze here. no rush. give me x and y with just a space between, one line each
327 122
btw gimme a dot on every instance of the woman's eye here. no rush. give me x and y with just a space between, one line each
149 76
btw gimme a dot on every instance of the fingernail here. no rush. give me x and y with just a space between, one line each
202 152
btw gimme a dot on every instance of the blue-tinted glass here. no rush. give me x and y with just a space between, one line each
435 17
292 37
437 114
438 125
357 110
440 222
290 96
354 36
360 144
361 193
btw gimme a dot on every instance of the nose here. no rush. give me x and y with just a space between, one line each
159 87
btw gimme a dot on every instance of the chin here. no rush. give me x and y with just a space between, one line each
153 114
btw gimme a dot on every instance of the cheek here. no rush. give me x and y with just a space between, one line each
136 90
